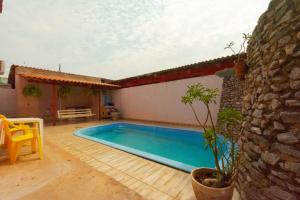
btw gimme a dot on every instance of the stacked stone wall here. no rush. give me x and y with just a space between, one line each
232 93
271 107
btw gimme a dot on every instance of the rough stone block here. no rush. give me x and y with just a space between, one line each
261 141
279 79
280 87
295 73
270 158
297 95
291 167
288 138
281 175
290 117
289 49
258 175
292 103
295 85
270 96
277 181
294 188
278 126
275 104
257 113
256 130
282 194
286 149
284 40
285 95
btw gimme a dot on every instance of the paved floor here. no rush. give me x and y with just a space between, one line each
58 176
61 176
149 179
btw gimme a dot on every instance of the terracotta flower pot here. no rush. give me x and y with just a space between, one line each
240 68
203 192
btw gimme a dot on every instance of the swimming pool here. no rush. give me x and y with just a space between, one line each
179 148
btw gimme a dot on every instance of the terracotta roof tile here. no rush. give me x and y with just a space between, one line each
49 76
202 64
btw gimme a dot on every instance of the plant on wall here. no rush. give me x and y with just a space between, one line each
240 65
32 91
64 91
224 148
91 92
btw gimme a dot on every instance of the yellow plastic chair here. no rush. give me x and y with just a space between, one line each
14 140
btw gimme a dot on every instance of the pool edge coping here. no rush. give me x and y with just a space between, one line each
149 156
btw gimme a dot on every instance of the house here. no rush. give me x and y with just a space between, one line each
152 97
50 82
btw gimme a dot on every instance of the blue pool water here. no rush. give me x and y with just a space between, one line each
179 148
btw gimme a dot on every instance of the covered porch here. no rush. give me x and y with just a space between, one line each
42 93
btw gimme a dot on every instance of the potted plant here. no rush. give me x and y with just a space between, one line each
215 183
240 65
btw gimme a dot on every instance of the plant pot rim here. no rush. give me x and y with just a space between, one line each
209 188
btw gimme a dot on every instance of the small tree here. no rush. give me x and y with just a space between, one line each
226 159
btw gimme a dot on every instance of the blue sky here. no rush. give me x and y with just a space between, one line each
121 38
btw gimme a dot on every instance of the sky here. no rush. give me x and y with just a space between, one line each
121 38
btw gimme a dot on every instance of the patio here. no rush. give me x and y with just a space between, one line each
60 175
68 160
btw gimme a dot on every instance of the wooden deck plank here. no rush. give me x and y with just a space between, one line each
151 180
174 182
125 160
155 176
132 167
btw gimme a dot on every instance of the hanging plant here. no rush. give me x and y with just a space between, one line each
64 91
91 92
32 91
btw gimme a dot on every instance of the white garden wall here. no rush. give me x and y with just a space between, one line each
162 101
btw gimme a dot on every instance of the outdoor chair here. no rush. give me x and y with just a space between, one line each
17 135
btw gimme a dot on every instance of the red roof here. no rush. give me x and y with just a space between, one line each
188 71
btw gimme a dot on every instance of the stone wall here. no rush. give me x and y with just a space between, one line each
232 93
271 106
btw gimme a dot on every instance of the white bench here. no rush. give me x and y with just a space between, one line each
74 113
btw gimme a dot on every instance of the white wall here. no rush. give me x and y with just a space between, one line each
162 101
8 102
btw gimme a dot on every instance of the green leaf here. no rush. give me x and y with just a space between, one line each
200 93
209 136
64 91
32 91
229 117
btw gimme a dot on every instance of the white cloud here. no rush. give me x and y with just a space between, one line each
117 39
